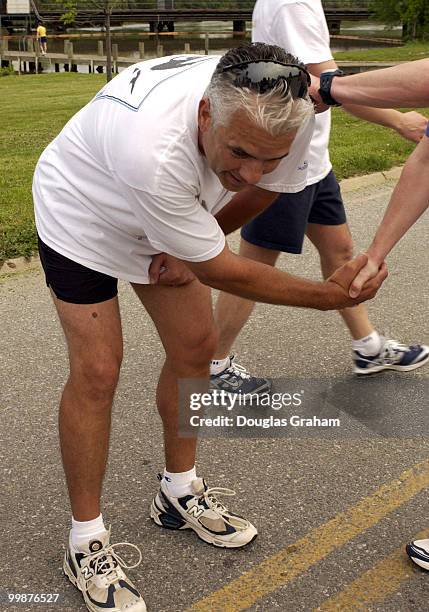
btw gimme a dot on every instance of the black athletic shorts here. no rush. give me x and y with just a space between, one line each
74 283
282 226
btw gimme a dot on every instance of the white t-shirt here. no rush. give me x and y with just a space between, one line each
125 178
300 27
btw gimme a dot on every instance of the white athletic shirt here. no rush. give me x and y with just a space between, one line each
125 179
300 27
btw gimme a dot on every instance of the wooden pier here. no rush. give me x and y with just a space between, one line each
33 61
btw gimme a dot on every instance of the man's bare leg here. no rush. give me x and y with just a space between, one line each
183 317
94 339
184 320
335 246
232 312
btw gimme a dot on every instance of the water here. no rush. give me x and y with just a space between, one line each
369 28
221 38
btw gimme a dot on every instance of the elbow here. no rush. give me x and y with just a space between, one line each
220 272
210 278
207 275
217 277
204 277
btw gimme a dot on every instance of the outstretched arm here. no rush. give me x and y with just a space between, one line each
259 282
409 201
409 125
405 85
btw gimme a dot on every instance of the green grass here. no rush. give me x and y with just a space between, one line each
36 107
408 52
358 147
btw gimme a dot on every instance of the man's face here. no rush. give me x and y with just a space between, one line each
240 153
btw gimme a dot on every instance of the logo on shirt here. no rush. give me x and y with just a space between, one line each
304 166
177 62
137 73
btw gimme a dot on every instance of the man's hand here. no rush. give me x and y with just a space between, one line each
167 270
340 283
369 271
412 126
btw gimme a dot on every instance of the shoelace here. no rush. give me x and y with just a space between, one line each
237 370
390 352
106 561
214 504
392 348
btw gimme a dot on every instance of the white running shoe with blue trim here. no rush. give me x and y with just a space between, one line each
393 356
236 380
203 513
97 572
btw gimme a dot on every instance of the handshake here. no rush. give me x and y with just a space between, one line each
357 281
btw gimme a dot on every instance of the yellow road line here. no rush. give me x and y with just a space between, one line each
293 560
376 584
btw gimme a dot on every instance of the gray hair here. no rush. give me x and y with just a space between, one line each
273 111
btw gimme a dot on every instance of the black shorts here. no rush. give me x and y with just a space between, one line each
74 283
43 39
282 226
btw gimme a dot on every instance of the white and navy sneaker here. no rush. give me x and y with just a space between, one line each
97 573
204 513
418 551
236 379
393 356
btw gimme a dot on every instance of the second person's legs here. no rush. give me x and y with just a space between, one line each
317 211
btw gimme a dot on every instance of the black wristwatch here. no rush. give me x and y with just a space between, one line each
325 87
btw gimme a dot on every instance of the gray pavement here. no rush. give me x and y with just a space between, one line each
286 487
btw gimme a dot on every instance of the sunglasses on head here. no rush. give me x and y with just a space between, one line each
263 75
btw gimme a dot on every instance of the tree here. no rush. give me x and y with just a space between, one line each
412 14
104 8
107 6
70 12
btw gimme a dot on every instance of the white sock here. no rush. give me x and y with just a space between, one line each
179 483
219 365
370 345
83 531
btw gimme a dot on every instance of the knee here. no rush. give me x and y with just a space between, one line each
338 253
97 379
196 351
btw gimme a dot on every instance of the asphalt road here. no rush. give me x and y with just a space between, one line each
292 489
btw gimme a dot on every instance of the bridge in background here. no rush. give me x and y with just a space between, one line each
164 16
